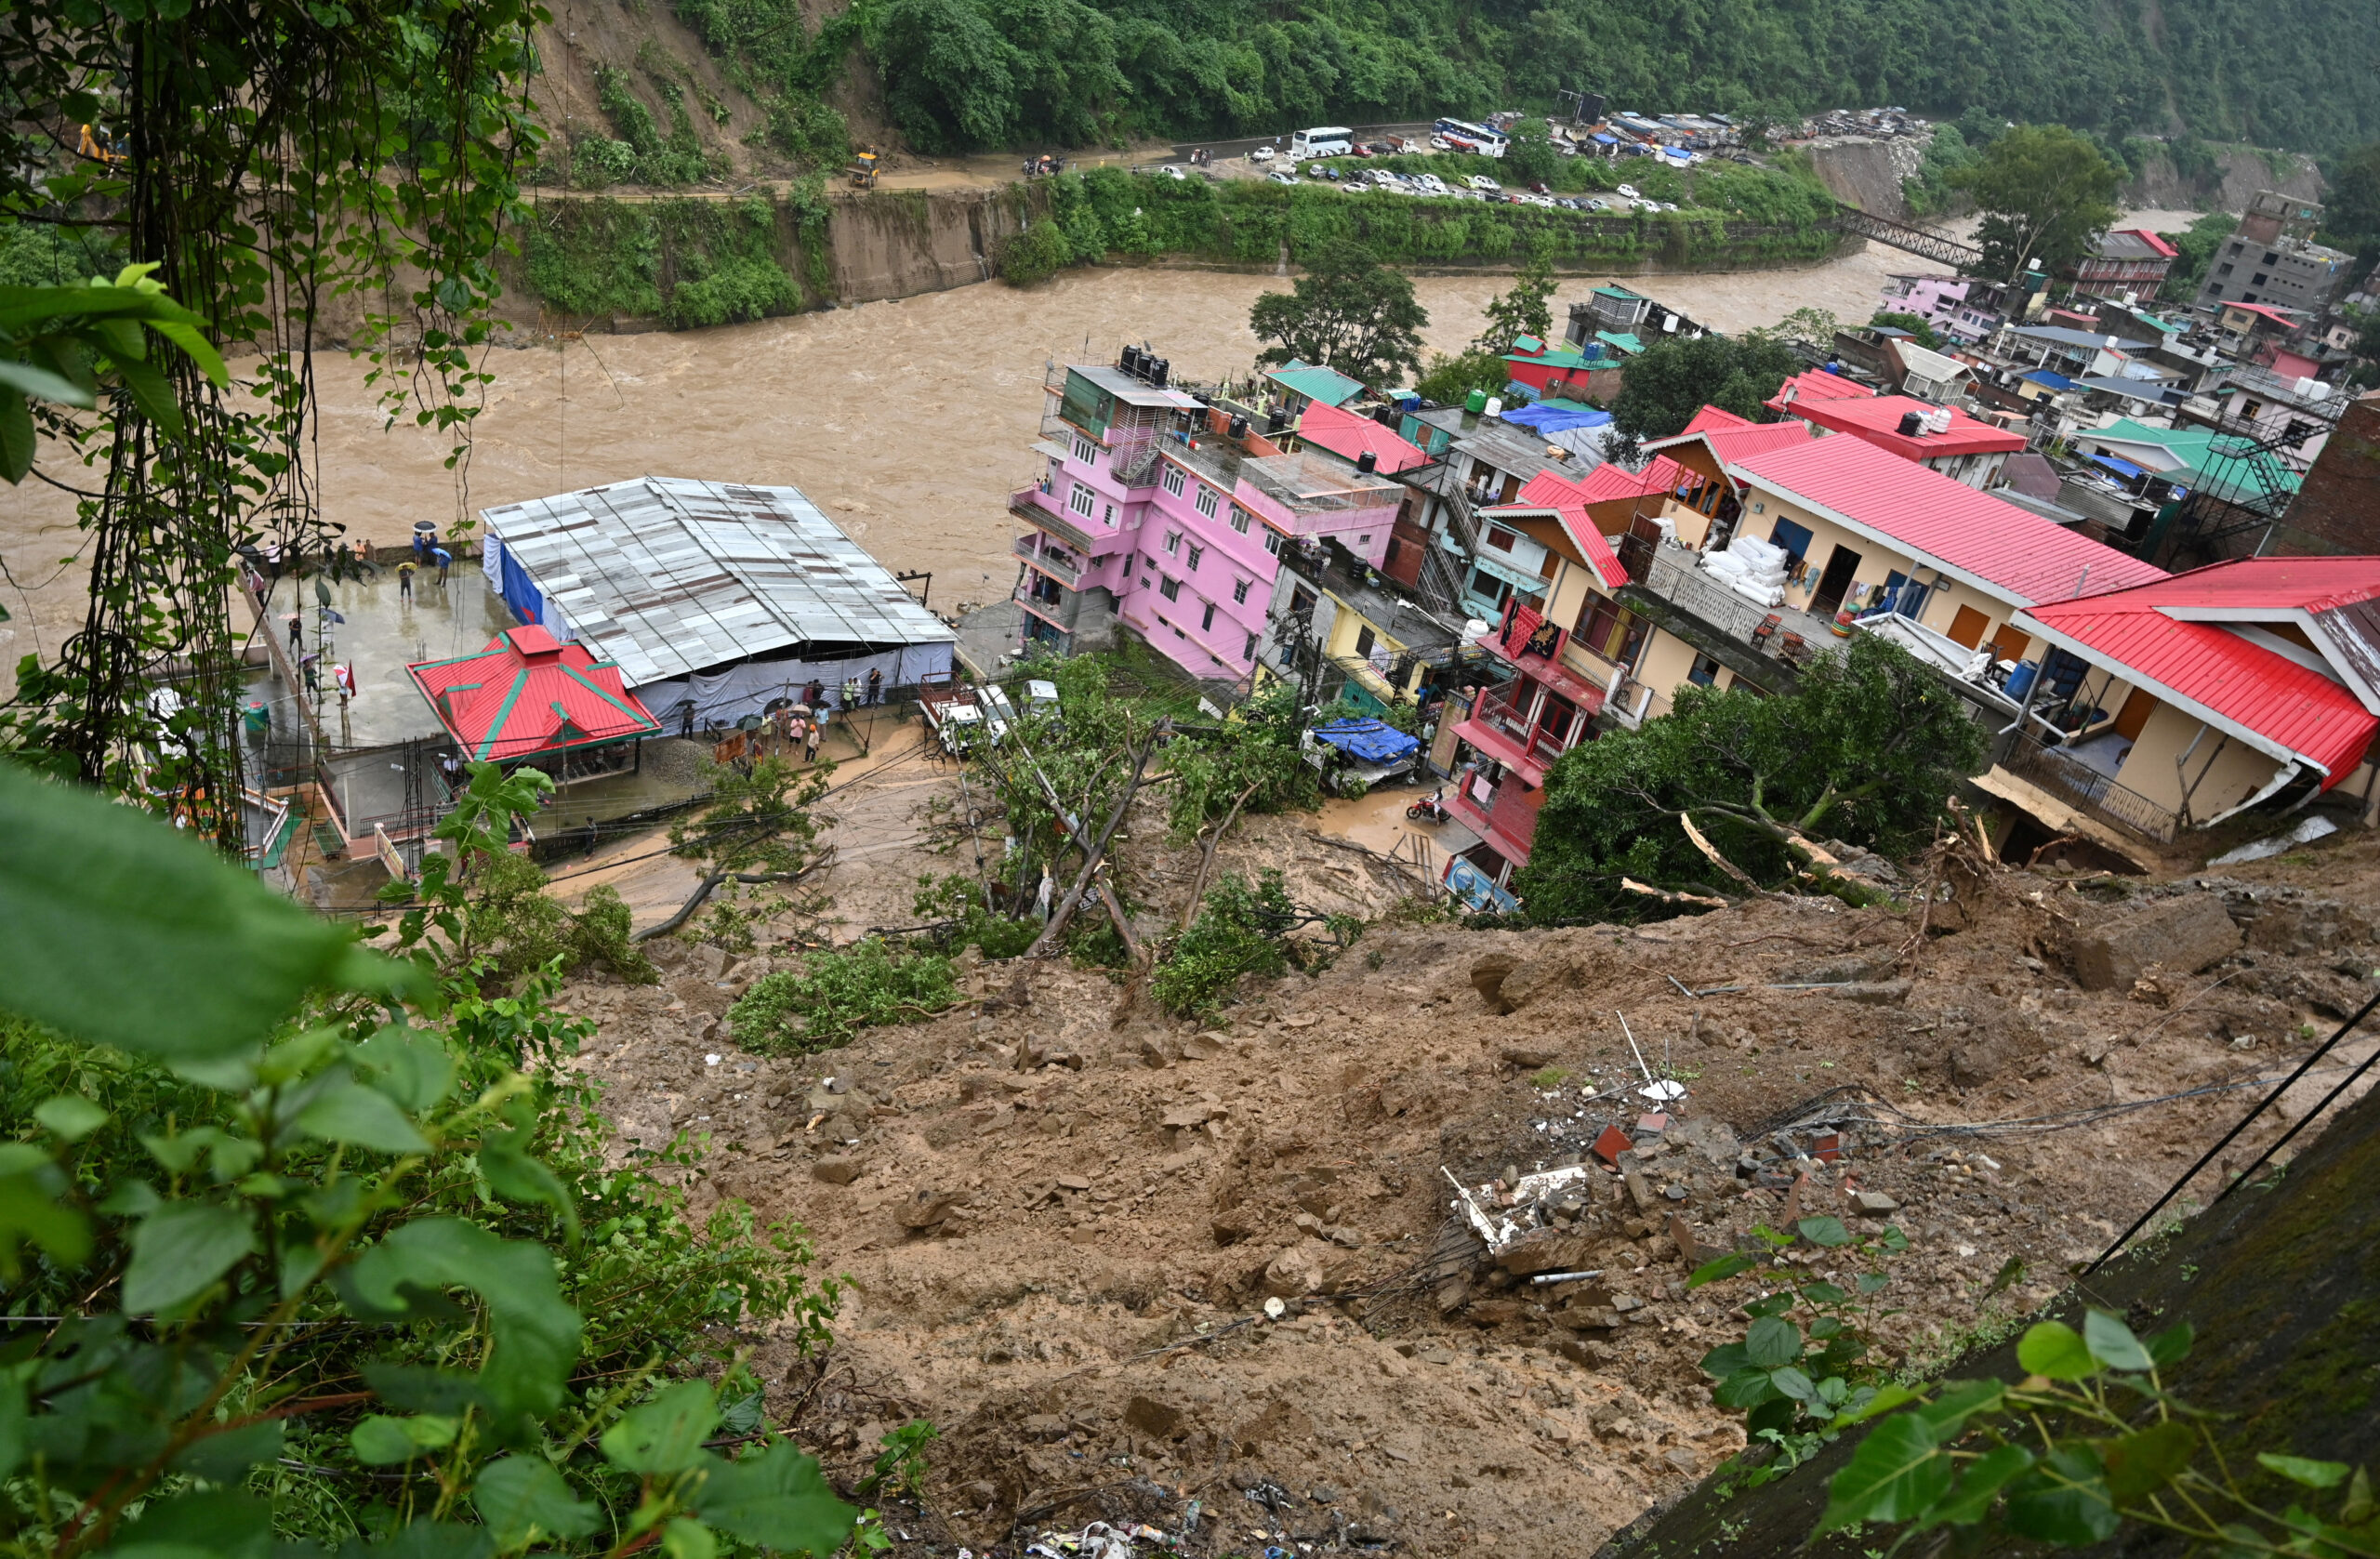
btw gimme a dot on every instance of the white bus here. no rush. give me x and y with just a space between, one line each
1465 137
1325 140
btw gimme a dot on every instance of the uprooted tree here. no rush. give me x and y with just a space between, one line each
755 838
1733 794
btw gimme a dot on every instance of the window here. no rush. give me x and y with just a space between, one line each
2223 269
1173 543
1086 452
1300 602
2259 279
1365 639
1363 541
1704 672
1080 500
1272 542
1249 653
1170 588
1205 502
1206 623
1239 518
1501 538
1195 553
2270 255
1239 593
1107 515
1173 480
1597 622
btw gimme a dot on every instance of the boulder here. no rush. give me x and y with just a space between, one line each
926 1207
835 1170
2184 932
1157 1419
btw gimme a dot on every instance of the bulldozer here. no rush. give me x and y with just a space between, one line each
862 169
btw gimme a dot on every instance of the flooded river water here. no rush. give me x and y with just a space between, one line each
906 421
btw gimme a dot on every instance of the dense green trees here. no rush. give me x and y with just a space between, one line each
1865 751
2196 247
2351 207
1673 379
2292 73
1349 313
2047 193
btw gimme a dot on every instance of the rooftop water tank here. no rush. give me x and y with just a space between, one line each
1368 462
1475 401
1911 424
1495 406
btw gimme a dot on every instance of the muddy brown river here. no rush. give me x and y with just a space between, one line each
907 420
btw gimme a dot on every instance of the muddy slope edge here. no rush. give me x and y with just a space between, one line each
2283 1285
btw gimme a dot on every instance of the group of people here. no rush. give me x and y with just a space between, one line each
427 553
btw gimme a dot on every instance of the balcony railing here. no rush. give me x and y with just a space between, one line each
1039 506
1064 569
2091 792
1769 631
1540 745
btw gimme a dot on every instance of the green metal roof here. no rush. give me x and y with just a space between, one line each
2212 462
1627 343
1617 292
1326 385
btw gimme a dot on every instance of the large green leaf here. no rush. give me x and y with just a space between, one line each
361 1116
18 442
2113 1345
2146 1462
181 1249
221 1458
425 1539
1983 1478
2303 1470
34 380
2064 1500
1896 1474
30 1210
1772 1340
533 1334
124 930
1948 1413
380 1440
666 1433
2055 1351
408 1065
221 1524
522 1499
777 1499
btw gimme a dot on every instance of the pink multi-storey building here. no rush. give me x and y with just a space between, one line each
1166 515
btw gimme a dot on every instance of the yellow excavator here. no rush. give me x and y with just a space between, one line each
862 169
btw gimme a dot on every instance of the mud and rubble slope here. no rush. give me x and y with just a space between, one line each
1062 1214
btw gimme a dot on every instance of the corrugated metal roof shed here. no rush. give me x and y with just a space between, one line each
670 575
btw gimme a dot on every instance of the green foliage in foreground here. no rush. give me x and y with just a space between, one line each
2089 1443
1238 931
1866 751
834 995
337 1253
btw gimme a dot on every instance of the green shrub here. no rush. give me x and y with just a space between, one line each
834 995
1239 931
1035 255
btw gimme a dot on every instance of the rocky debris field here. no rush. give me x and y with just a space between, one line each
1064 1215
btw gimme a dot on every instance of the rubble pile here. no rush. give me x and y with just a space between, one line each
1395 1253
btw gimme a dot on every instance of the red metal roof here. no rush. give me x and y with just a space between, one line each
1735 439
2011 551
2211 666
1344 434
528 693
2167 250
2272 584
1549 492
2285 318
1817 383
1877 420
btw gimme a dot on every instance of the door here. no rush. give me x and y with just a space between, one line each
1966 629
1834 583
2134 714
2011 642
1790 538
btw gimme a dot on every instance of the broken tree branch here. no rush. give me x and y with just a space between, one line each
709 884
1064 911
1207 861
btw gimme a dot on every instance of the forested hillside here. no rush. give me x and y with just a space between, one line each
970 73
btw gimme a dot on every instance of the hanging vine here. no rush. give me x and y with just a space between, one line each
272 159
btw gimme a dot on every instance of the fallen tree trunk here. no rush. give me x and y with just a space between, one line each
708 885
1062 913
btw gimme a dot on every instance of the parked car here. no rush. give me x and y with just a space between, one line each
1172 170
1599 204
1261 154
1481 181
1668 205
1431 182
1279 178
1538 187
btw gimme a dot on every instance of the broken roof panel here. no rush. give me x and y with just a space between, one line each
670 575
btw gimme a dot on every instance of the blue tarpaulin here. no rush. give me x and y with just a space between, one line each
1371 740
2121 466
1553 419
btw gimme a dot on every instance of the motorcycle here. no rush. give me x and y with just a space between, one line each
1430 809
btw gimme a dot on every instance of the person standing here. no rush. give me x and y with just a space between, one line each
810 742
296 634
444 560
405 572
875 685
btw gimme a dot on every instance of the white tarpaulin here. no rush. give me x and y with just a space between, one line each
721 698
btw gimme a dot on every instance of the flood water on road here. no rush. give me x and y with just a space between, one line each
906 421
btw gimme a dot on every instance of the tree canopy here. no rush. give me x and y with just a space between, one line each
1526 309
1866 751
1348 312
1674 378
2047 193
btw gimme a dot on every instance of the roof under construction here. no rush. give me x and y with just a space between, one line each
668 575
